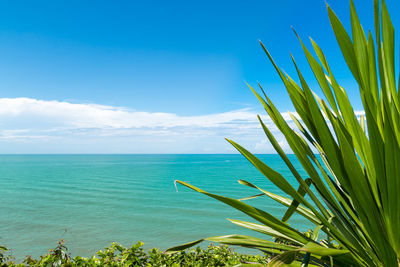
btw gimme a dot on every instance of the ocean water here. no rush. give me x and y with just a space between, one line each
93 200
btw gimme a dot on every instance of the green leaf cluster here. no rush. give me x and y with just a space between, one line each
118 255
353 188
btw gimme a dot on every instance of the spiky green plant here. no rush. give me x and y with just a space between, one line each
356 200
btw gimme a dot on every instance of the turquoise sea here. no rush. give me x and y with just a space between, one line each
93 200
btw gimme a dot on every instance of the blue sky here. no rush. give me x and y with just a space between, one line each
130 61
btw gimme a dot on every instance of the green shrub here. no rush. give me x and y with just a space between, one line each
356 201
117 255
4 259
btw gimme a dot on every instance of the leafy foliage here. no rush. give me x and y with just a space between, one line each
357 177
117 255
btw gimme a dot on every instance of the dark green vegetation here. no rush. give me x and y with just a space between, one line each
117 255
352 193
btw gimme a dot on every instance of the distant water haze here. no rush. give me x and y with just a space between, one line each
93 200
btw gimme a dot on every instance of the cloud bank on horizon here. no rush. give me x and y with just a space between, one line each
30 125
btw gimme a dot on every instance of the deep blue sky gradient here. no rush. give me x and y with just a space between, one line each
183 57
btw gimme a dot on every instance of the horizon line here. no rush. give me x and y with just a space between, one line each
5 154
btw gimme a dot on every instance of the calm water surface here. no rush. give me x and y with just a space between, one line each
93 200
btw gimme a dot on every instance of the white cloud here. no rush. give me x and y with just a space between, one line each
37 126
99 116
263 145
